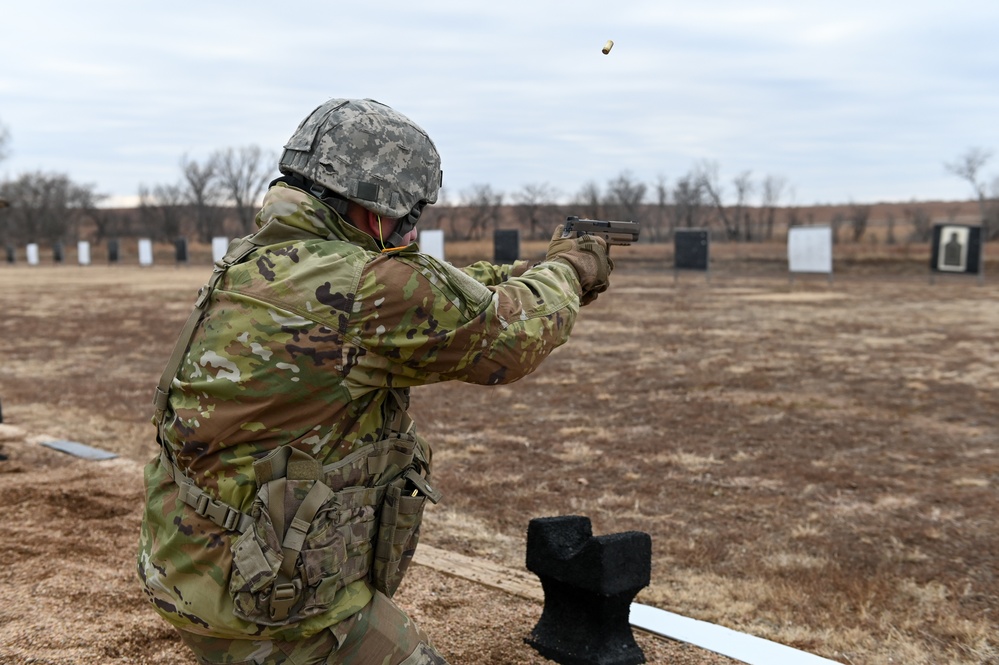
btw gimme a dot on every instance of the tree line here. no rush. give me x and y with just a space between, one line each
219 195
694 200
213 197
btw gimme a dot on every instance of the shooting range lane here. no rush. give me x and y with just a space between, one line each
882 389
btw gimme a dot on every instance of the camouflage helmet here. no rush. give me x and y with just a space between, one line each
368 153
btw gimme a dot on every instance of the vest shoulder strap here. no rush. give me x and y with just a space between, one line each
270 233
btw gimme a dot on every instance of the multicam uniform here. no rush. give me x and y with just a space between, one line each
295 380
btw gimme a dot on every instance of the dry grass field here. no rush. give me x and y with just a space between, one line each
817 462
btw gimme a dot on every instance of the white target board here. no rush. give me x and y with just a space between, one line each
32 252
809 249
145 252
83 252
220 246
432 243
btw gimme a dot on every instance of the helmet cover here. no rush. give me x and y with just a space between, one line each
368 153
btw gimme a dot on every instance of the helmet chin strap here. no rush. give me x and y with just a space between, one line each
397 238
405 225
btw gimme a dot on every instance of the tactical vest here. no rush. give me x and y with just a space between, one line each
312 529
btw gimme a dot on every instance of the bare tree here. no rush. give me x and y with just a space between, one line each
110 223
536 203
731 220
4 142
993 209
792 211
969 167
890 238
922 223
660 228
4 203
859 216
4 151
588 201
773 189
483 210
689 202
744 188
203 192
161 211
793 217
106 222
443 215
625 197
837 222
243 174
45 207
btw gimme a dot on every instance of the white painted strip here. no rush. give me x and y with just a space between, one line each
727 642
78 449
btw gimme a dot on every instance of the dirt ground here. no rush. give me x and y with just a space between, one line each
817 463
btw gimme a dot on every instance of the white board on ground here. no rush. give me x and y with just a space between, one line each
32 251
145 252
220 246
809 249
432 243
83 252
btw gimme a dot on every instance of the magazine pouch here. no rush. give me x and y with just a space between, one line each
398 531
288 565
399 467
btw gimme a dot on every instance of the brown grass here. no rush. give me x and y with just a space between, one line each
817 462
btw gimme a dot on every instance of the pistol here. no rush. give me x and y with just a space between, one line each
615 233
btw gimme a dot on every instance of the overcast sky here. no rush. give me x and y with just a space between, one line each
849 101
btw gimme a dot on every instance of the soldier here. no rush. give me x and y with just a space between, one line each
286 500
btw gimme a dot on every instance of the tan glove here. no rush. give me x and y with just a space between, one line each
588 256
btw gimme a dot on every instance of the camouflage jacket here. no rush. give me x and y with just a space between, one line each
299 346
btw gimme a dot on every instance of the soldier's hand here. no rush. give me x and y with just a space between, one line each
588 256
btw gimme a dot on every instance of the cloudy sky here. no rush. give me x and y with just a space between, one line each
848 101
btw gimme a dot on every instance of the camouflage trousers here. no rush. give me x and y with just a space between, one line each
380 633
